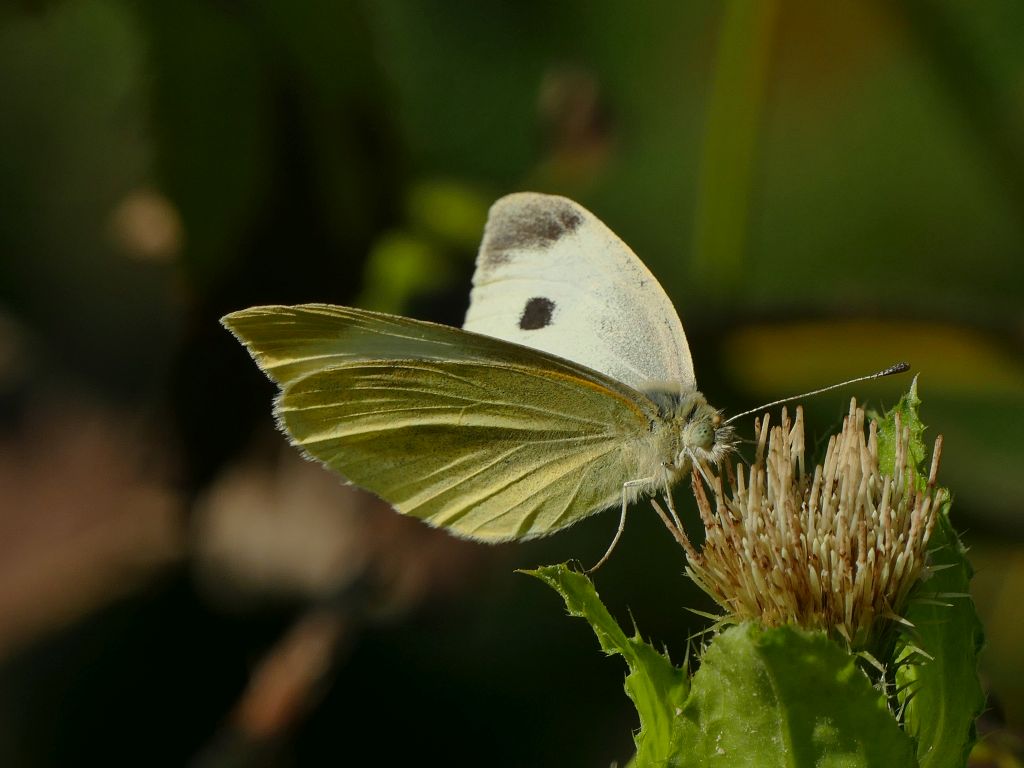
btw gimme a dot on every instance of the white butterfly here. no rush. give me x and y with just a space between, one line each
569 390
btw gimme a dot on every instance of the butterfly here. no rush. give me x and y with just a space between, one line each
568 390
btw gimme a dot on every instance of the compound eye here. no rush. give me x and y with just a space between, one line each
716 420
705 437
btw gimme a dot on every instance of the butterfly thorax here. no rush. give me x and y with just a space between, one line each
690 430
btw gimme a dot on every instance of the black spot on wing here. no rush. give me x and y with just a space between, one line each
534 226
536 314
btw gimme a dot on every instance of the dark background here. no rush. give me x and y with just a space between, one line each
821 189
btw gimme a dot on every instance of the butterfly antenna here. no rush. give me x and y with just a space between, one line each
897 368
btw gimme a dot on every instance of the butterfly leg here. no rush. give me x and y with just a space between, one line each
672 507
622 521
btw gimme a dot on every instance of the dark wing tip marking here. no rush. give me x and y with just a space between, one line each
531 226
537 314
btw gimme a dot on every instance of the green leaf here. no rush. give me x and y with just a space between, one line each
887 438
656 686
785 697
942 695
779 697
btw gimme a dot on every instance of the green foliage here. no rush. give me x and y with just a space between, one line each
942 694
785 697
398 267
906 408
730 142
939 689
442 222
656 686
778 697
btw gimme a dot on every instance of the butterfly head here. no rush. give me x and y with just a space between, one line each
704 435
697 431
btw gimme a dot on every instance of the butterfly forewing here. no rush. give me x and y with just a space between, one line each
289 342
492 441
550 275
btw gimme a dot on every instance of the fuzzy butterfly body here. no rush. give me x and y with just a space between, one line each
569 390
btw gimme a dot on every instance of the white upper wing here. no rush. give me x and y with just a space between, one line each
550 275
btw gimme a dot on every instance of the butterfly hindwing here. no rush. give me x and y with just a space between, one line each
550 275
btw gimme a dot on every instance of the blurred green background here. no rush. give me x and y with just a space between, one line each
822 189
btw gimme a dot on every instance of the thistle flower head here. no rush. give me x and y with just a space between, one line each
837 548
